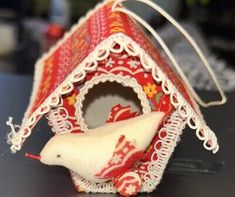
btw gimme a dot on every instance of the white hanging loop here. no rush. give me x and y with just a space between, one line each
117 8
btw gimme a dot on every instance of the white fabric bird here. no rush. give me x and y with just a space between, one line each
106 151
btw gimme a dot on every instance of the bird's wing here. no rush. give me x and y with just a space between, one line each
123 158
119 112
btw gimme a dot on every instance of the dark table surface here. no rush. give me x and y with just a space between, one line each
192 170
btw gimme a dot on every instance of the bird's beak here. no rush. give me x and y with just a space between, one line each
31 156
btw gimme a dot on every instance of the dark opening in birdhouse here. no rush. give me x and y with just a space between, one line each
102 97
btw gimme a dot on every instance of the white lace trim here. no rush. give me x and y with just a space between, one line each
126 81
58 120
89 186
90 64
173 128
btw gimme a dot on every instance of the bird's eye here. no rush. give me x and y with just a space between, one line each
58 156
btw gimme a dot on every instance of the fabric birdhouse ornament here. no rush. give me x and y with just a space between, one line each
129 153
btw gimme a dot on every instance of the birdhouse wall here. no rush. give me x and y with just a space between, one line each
115 66
128 71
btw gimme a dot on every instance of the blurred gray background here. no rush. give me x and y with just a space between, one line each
25 26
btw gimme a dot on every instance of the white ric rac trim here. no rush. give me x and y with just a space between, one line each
126 81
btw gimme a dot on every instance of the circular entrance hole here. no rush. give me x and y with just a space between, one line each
102 97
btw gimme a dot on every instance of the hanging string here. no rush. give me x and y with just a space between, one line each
117 8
